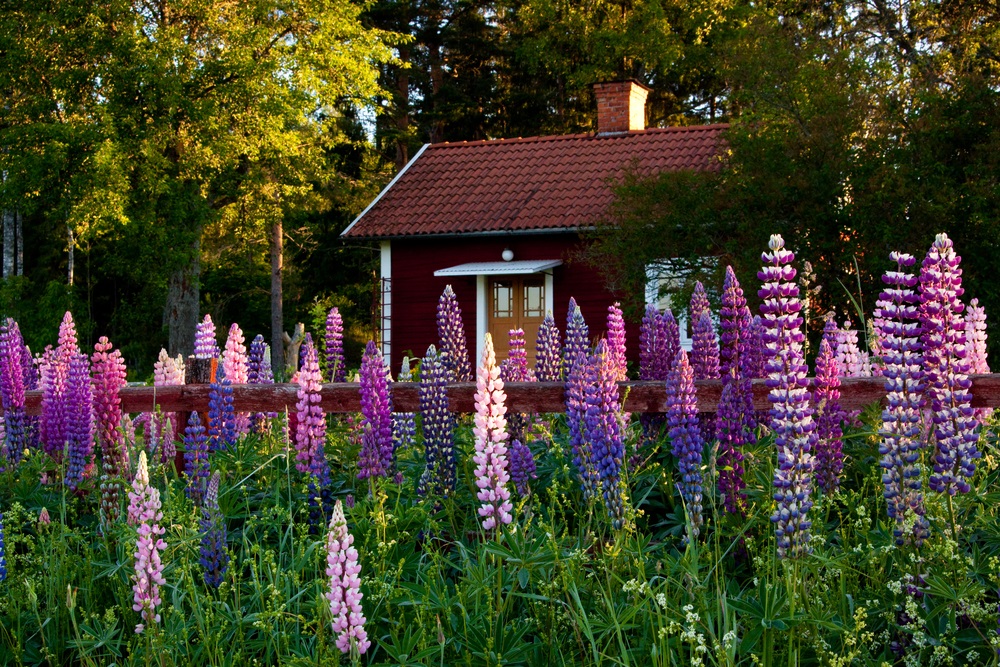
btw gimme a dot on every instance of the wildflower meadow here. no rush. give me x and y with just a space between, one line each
812 532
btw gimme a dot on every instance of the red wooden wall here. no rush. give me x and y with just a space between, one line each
415 289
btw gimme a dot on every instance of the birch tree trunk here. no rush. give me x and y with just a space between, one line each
9 243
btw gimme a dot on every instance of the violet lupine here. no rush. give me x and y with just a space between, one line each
334 343
451 335
704 348
490 432
548 351
671 333
577 337
195 459
310 429
236 367
826 397
576 417
205 346
377 458
946 368
734 326
897 311
221 414
345 594
791 411
755 351
522 467
259 372
109 377
12 392
699 303
438 424
79 415
733 433
685 437
616 341
652 353
214 558
603 430
53 385
148 575
975 338
404 424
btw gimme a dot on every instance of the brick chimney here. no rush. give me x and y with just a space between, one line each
621 106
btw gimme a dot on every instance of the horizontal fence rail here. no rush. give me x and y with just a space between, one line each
521 396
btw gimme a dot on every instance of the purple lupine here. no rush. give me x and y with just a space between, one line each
451 335
735 360
490 432
898 316
214 558
205 346
577 337
652 352
310 430
946 369
79 414
755 350
404 424
307 342
704 348
438 424
221 415
522 467
377 458
733 433
259 372
576 415
345 594
975 338
616 341
515 369
334 344
826 398
195 460
148 575
12 392
236 367
734 326
699 303
109 378
603 429
548 351
670 331
54 377
791 411
685 437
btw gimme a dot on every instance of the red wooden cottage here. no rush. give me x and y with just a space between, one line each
498 219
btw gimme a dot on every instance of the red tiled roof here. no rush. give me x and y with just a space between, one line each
525 184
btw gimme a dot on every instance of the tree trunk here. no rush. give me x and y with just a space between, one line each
20 243
180 314
277 316
71 246
9 243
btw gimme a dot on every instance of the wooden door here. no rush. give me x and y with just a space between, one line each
516 302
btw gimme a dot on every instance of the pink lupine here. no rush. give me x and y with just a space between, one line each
975 338
310 429
139 496
491 451
148 575
849 360
235 365
616 341
345 595
167 372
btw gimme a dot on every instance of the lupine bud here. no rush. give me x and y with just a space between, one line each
205 346
603 430
685 436
451 335
791 414
43 517
377 458
577 337
438 423
334 343
490 436
195 459
548 351
344 594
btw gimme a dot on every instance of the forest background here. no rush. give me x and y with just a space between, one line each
166 158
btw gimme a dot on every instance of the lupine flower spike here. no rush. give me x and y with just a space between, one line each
699 303
829 452
236 367
205 346
975 338
148 575
849 361
671 333
109 377
704 348
438 423
616 341
334 343
898 316
577 337
404 424
195 459
167 371
344 594
377 458
946 369
791 412
603 430
12 391
490 434
451 334
214 557
79 416
685 436
221 414
734 326
515 369
548 351
576 416
259 372
310 432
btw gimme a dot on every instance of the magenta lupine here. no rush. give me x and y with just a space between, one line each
576 415
12 392
490 434
236 367
616 341
148 577
205 346
704 348
377 458
603 429
334 346
196 467
826 398
699 303
345 594
685 437
975 338
548 351
310 430
109 377
438 424
946 368
577 337
79 414
897 312
451 335
791 411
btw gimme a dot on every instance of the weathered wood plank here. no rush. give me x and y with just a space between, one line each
521 396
